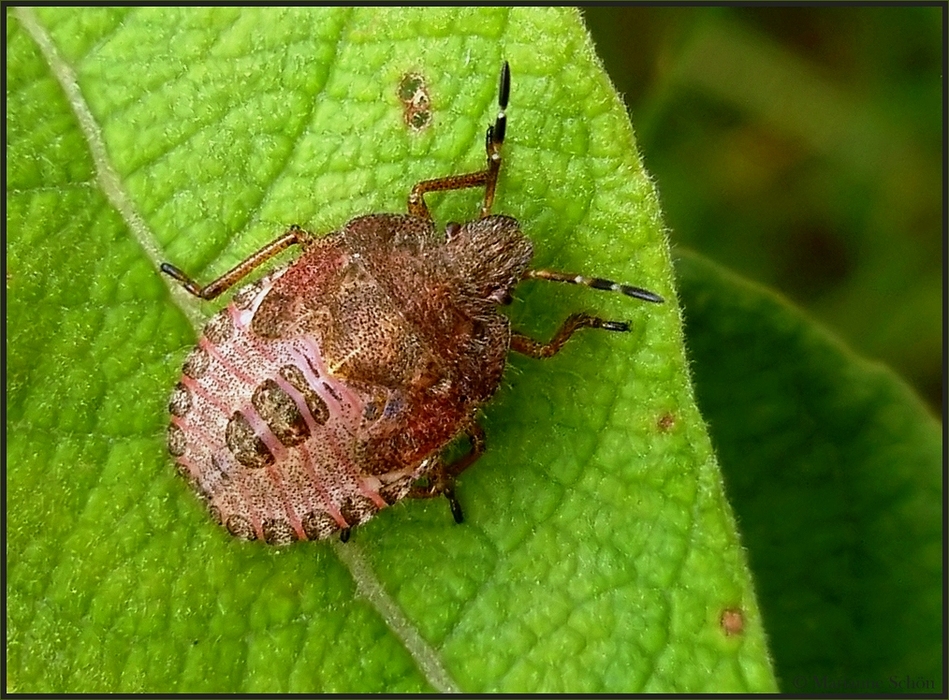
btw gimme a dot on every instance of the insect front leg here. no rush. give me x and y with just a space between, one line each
441 480
294 236
487 178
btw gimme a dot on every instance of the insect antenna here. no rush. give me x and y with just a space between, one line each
595 283
496 132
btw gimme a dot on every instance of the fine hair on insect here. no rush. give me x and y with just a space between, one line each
332 387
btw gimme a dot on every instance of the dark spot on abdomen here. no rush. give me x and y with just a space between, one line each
247 448
280 412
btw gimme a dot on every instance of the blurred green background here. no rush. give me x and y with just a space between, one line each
802 148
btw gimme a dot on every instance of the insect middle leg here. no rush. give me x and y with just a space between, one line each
441 480
534 348
294 236
487 178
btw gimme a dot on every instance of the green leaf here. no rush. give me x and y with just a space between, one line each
835 470
599 553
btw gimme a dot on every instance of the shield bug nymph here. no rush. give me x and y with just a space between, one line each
332 387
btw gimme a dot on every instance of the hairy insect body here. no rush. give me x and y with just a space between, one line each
330 388
325 390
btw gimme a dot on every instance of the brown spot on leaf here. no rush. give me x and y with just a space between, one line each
416 103
732 621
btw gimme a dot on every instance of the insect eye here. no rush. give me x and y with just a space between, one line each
452 229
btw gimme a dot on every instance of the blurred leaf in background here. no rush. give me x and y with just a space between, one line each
801 147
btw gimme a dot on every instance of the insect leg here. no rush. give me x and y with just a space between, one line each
442 477
534 348
294 236
487 178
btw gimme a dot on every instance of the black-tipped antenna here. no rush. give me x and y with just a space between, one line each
595 283
504 88
498 130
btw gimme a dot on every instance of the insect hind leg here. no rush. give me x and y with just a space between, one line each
441 479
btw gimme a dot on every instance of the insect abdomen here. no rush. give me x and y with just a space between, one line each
267 436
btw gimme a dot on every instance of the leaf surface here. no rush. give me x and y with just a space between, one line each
599 553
